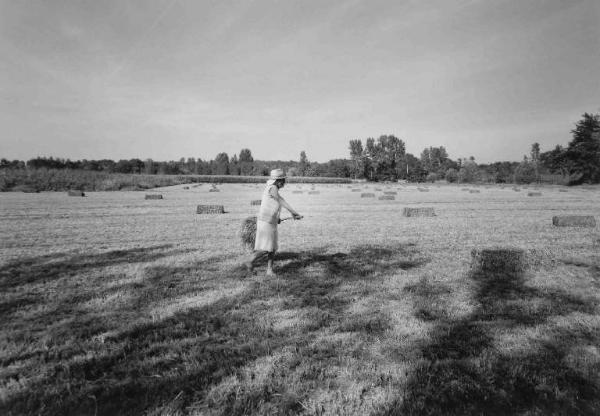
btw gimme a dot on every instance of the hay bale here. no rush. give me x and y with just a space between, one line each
423 189
378 189
248 232
76 193
367 195
214 190
387 198
418 212
297 192
154 196
562 190
314 192
255 202
574 221
390 193
186 187
474 191
355 190
534 194
516 189
210 209
499 260
465 189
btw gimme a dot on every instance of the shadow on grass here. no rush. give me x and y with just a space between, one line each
469 371
144 366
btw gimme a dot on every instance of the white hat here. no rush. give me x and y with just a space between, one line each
277 174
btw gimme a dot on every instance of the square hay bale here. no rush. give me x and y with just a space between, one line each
390 193
534 194
314 192
387 198
297 192
499 260
516 189
574 221
418 212
186 187
153 196
367 195
562 190
423 189
378 189
210 209
355 190
255 202
465 189
474 191
76 193
214 190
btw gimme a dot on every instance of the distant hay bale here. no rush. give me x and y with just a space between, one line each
355 190
314 192
562 190
378 189
465 189
214 190
387 198
186 187
210 209
297 192
474 191
499 260
76 193
248 232
367 195
418 212
574 221
534 194
390 193
255 202
423 189
516 189
154 196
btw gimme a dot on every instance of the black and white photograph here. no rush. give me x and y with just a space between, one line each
299 207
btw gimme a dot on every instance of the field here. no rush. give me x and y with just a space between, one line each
113 304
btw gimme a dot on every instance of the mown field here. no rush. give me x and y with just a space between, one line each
113 304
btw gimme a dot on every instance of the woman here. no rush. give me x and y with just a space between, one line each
268 217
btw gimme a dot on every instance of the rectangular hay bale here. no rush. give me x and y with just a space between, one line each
423 189
154 196
474 191
390 193
314 192
255 202
210 209
418 212
574 221
367 195
534 194
76 193
387 198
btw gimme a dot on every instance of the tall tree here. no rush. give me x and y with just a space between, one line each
583 153
246 162
303 165
221 164
356 154
535 159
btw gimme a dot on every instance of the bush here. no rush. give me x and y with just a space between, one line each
432 177
525 173
451 175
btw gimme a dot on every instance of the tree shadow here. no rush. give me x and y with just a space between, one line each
467 372
184 355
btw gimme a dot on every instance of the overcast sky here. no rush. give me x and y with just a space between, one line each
166 79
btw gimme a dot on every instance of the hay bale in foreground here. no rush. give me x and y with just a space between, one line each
76 193
210 209
367 195
574 221
248 232
534 194
418 212
255 202
153 196
499 260
387 198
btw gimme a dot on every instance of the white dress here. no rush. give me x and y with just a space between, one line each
268 217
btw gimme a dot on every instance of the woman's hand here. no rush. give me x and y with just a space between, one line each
297 216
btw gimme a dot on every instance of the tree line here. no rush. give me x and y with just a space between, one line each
381 159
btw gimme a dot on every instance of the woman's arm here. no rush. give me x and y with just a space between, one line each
287 206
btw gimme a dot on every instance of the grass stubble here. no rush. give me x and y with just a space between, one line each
115 305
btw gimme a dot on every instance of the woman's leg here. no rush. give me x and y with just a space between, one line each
256 256
270 257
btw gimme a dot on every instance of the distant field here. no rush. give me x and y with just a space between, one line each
113 304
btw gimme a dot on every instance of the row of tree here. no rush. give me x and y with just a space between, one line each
384 158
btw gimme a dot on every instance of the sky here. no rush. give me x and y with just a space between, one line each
166 79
